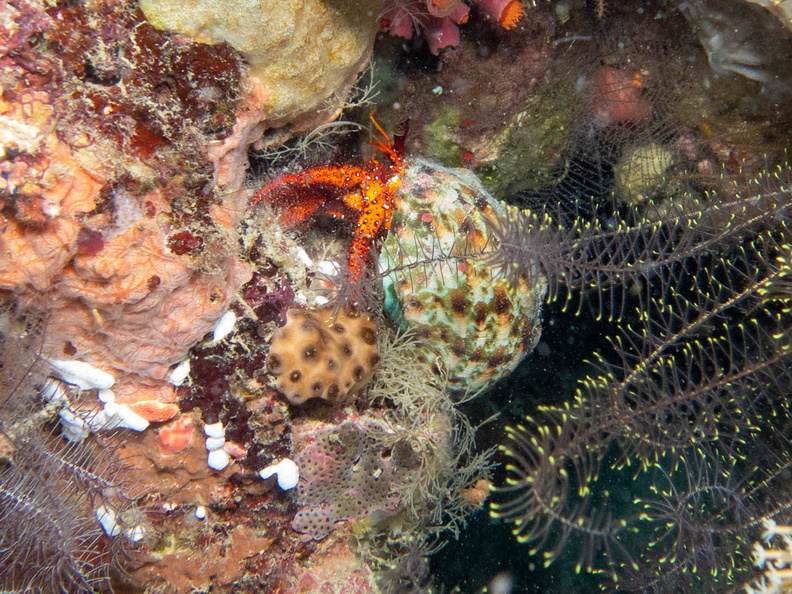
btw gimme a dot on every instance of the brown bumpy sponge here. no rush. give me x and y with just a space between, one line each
322 353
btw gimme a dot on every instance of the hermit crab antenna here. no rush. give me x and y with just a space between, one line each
378 127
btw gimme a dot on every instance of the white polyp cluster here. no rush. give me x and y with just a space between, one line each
287 471
117 415
113 415
106 395
216 430
224 326
218 458
73 426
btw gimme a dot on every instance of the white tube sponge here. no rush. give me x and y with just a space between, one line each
83 375
287 471
217 459
214 430
106 516
130 419
224 327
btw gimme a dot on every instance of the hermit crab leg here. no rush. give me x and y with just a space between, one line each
344 177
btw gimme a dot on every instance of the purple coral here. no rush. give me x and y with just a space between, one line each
269 305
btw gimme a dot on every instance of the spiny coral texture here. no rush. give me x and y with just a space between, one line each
439 283
303 52
322 353
104 183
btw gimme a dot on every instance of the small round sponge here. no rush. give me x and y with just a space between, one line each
323 353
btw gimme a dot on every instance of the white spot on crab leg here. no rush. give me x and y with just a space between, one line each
200 512
224 326
83 375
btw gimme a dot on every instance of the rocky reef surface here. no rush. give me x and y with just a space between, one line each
190 398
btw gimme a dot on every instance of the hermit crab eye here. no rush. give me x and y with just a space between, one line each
401 128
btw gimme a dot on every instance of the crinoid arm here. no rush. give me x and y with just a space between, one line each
605 262
692 383
547 497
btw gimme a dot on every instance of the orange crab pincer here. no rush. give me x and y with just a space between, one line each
362 195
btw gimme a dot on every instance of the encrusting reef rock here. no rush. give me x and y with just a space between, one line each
125 130
123 156
125 150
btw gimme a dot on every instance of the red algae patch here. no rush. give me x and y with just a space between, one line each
154 411
176 435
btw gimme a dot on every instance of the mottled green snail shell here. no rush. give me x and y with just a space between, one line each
439 282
